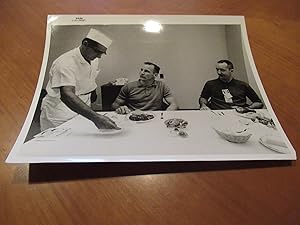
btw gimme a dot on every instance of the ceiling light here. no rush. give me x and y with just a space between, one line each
152 26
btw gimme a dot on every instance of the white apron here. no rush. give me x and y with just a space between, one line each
55 112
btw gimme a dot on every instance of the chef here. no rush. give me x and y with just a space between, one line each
72 81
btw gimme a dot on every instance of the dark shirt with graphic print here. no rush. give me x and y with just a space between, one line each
213 92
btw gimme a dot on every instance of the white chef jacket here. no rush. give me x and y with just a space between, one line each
70 69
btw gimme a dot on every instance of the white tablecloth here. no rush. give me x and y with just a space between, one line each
150 141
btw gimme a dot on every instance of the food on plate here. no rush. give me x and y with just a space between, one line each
141 117
178 126
176 123
259 118
266 121
182 133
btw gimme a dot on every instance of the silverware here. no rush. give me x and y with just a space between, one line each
63 132
218 113
46 131
214 113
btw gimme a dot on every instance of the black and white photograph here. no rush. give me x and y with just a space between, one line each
149 88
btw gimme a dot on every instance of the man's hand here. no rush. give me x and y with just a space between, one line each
103 122
77 105
203 104
123 110
204 107
244 109
172 103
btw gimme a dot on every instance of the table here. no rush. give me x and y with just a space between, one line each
250 193
81 141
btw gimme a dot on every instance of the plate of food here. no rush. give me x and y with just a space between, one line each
249 115
258 117
176 123
141 116
177 126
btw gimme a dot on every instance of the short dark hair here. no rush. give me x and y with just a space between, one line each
229 63
156 67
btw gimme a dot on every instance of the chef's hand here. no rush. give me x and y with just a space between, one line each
123 110
103 122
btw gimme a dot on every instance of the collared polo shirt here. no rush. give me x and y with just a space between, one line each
137 96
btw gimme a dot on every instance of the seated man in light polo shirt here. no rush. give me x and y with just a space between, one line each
145 94
71 84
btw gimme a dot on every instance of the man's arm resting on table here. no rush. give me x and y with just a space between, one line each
203 104
172 103
117 103
120 107
256 105
256 102
77 105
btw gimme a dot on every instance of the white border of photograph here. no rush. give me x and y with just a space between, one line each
16 155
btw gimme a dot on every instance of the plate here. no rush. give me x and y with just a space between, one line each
234 132
258 118
120 121
141 116
267 142
176 123
248 115
110 131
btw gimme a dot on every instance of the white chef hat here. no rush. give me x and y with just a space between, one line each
99 37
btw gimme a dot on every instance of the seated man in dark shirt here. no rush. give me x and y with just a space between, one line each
145 93
225 92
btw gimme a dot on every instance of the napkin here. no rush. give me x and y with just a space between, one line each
273 140
53 133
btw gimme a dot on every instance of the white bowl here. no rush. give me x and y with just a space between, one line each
233 136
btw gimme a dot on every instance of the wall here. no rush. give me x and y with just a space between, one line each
237 54
235 51
250 74
186 53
